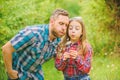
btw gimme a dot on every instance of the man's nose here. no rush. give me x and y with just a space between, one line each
64 27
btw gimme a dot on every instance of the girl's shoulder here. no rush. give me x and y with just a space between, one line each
88 46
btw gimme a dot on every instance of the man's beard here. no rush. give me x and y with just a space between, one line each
55 34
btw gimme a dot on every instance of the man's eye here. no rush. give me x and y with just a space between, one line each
61 23
66 25
70 28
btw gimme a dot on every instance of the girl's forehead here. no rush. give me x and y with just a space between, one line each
75 23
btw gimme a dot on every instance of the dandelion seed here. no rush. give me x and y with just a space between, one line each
105 53
111 53
68 43
108 66
91 68
112 65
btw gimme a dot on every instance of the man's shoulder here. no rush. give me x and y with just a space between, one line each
38 26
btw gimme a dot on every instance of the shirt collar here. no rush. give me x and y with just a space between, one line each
76 43
55 41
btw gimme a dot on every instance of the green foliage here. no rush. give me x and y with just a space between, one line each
97 19
50 72
103 68
73 6
17 14
21 13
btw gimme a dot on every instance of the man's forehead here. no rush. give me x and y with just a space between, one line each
63 18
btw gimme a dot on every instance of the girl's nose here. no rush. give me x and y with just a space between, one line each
73 31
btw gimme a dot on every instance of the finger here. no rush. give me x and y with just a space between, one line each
15 74
73 50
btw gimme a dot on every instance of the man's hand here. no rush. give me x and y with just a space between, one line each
13 74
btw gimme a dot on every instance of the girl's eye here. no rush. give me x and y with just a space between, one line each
77 28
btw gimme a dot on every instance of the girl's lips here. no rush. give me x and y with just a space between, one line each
72 35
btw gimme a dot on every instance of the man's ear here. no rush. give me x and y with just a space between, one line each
52 21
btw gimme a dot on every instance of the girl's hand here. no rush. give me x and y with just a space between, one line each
59 56
73 54
66 55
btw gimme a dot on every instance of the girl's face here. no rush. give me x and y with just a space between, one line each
74 31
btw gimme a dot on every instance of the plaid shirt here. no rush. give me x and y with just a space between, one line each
75 67
33 48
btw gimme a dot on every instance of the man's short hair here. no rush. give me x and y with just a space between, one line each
58 12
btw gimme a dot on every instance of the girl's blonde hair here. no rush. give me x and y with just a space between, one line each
82 39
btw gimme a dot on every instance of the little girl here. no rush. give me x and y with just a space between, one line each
74 53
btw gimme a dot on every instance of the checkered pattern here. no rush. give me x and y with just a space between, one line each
33 48
75 67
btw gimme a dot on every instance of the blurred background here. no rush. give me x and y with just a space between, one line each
102 22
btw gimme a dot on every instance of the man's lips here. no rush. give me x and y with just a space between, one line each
62 33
